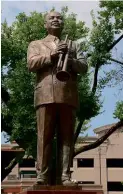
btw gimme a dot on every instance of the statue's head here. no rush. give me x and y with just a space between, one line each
54 22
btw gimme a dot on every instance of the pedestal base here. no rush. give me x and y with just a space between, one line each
63 190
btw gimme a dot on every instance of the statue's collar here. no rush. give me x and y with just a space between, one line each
51 38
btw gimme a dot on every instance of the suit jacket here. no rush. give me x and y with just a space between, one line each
48 88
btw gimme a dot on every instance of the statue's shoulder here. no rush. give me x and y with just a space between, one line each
74 43
34 42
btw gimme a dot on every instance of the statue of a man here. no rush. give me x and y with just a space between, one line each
54 100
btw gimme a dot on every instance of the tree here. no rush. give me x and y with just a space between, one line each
18 118
114 10
102 41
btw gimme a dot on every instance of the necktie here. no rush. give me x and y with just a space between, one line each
57 41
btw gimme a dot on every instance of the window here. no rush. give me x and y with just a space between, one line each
114 163
114 186
85 163
28 174
85 182
27 163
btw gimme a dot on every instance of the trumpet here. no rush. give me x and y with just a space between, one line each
62 73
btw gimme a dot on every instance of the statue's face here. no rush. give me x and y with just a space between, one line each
54 21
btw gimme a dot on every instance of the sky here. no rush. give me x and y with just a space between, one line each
82 8
10 9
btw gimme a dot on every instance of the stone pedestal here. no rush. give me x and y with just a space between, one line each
83 189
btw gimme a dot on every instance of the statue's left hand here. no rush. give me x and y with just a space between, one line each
71 51
70 63
61 48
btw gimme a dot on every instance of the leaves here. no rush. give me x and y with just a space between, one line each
89 102
114 10
119 110
102 35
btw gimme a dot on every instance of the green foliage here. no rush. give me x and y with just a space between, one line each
105 27
112 78
112 13
18 80
89 103
5 44
114 10
101 37
74 29
119 110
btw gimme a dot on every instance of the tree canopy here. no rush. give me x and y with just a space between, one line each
114 11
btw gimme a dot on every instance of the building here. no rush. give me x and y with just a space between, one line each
100 166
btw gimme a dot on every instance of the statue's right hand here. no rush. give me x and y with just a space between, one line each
54 54
62 47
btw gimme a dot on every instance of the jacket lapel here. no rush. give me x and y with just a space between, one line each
50 44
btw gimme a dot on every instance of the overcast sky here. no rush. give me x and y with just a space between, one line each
82 8
10 9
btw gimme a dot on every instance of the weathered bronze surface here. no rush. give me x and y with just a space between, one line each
55 101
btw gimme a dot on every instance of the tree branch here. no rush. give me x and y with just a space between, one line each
114 43
6 126
12 164
97 65
116 61
100 140
5 172
95 78
15 160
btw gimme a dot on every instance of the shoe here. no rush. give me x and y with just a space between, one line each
68 182
41 182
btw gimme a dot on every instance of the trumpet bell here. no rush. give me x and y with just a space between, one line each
63 76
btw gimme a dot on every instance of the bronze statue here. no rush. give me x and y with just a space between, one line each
55 101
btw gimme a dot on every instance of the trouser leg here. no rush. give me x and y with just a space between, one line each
45 132
66 135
